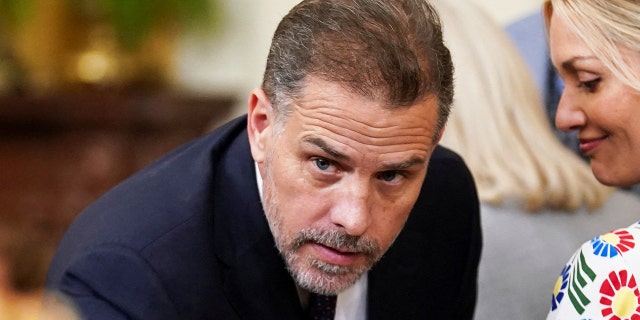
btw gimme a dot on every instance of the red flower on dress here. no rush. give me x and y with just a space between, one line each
620 297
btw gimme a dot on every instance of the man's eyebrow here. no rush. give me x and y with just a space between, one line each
340 156
318 142
405 164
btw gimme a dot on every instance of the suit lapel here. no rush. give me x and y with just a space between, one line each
257 283
259 286
394 287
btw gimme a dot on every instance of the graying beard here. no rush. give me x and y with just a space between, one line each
335 239
325 283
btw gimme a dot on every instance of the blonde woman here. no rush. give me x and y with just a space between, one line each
595 45
537 196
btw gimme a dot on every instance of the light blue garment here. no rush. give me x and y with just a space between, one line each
529 36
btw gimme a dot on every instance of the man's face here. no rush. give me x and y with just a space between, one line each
340 176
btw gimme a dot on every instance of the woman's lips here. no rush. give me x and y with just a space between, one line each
588 145
335 256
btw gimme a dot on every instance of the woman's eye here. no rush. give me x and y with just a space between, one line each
322 164
590 85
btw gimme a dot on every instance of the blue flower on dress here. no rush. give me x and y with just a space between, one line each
560 287
611 244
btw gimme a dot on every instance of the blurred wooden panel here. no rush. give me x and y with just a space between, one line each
59 153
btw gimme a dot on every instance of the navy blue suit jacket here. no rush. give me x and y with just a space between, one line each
186 238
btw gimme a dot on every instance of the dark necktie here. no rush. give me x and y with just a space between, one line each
322 307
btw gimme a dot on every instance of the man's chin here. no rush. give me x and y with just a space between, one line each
326 279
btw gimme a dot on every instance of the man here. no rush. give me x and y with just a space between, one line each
320 189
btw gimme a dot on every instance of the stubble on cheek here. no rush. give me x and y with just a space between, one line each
308 271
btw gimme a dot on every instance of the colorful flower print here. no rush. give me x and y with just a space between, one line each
560 287
579 278
613 243
620 297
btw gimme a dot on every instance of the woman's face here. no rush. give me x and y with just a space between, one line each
604 110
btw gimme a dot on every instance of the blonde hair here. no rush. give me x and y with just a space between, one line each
498 123
610 28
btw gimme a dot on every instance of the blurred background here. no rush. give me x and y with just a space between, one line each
93 90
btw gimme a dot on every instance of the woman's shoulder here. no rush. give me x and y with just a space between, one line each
603 270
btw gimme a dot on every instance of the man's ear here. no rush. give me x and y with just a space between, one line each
259 121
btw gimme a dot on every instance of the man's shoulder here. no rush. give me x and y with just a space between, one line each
448 188
169 199
448 195
447 162
167 192
441 152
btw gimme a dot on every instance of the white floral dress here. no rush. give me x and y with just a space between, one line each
600 281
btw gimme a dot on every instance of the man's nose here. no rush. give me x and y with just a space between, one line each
569 116
352 210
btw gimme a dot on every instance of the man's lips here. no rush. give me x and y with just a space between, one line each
335 256
588 145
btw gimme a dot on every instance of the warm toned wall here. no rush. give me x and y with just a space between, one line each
505 11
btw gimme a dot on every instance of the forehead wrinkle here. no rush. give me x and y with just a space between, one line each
392 143
328 121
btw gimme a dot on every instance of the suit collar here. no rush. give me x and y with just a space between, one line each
257 283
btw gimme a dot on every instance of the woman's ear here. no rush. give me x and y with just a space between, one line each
259 121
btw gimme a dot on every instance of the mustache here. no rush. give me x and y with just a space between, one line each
336 239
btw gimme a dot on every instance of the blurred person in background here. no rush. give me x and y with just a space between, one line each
595 46
538 198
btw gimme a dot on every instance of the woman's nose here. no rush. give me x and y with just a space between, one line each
569 116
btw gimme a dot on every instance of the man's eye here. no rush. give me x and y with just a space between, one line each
322 164
388 176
